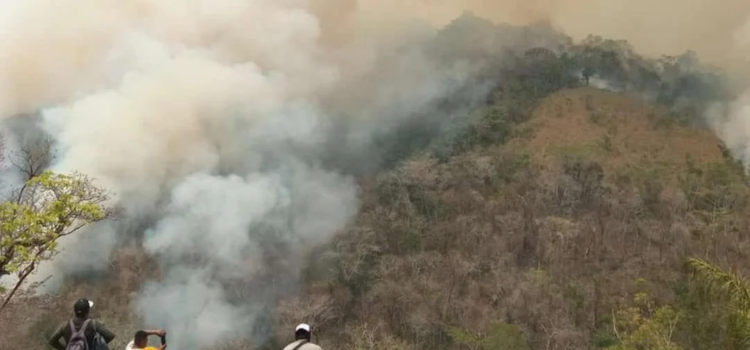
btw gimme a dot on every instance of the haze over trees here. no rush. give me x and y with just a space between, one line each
582 205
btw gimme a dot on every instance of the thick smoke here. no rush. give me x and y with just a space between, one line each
731 121
732 124
228 129
209 218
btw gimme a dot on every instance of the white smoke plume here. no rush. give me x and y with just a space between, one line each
227 128
212 123
731 121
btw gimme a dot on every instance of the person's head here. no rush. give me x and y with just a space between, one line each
302 332
82 307
140 339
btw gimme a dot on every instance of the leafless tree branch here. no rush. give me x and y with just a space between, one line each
33 157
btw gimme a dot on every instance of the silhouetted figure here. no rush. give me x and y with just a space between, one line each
81 311
302 336
140 340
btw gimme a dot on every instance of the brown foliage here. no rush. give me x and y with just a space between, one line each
550 244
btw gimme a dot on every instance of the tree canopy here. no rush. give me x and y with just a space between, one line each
45 208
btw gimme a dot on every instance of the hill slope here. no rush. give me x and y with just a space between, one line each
614 130
546 233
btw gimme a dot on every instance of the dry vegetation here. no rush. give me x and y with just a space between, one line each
535 233
551 244
528 234
615 131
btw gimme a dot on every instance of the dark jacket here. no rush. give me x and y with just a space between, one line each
64 332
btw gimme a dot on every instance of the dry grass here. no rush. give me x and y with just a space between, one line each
615 130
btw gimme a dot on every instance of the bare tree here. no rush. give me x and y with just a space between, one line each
33 157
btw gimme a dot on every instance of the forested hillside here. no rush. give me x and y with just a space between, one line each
560 212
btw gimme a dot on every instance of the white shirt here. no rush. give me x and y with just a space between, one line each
307 346
131 346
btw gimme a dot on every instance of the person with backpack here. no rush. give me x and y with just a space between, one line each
140 340
302 336
82 332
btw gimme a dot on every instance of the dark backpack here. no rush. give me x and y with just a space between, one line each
99 342
77 339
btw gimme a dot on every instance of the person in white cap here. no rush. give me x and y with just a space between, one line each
80 320
302 337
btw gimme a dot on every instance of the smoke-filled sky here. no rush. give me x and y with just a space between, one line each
214 121
655 27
